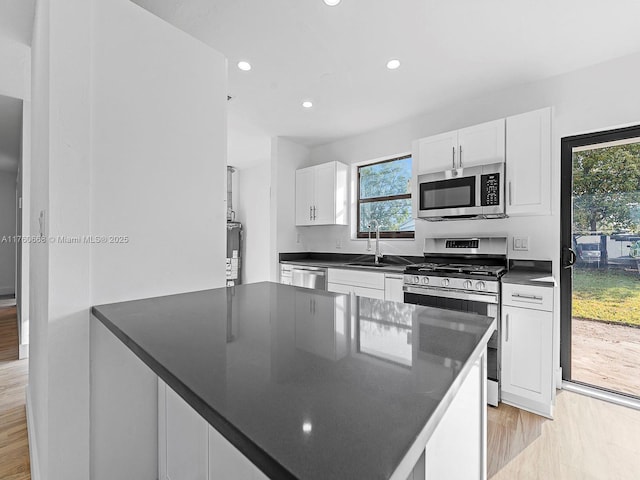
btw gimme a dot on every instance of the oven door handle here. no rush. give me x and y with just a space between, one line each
456 294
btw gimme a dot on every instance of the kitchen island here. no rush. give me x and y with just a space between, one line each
309 384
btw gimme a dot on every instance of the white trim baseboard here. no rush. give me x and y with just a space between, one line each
23 351
33 448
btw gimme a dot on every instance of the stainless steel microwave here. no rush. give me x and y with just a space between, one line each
463 193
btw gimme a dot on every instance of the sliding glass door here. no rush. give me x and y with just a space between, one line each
600 281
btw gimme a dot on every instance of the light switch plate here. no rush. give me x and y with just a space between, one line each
521 243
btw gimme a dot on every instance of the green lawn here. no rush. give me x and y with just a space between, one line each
609 295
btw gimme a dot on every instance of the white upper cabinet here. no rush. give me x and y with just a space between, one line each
475 145
481 144
321 194
436 153
529 163
304 196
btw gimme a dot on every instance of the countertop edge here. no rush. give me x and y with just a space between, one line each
267 464
415 451
390 269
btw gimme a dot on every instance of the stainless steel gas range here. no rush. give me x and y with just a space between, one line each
463 274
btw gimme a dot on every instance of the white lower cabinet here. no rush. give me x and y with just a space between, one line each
393 288
190 449
527 348
457 449
359 282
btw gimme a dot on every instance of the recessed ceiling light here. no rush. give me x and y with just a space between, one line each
393 64
307 104
244 66
332 3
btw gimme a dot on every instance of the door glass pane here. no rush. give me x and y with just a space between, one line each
605 336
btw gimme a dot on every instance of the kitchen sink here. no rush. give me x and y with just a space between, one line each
369 264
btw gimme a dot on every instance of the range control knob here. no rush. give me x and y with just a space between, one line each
445 282
468 284
425 280
415 279
481 286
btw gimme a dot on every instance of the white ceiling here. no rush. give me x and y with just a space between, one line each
16 20
10 133
336 56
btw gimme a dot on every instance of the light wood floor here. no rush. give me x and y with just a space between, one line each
589 439
14 445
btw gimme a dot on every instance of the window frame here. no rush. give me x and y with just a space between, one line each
383 234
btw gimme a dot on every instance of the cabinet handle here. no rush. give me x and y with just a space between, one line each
310 213
528 297
453 158
460 153
314 212
509 193
506 339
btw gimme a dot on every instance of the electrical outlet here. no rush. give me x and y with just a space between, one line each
521 243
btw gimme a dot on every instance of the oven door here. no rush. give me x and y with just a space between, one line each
448 195
479 303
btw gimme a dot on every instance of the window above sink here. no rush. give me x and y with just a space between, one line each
384 194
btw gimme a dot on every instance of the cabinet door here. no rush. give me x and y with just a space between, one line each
182 438
481 144
304 196
393 288
437 153
529 163
325 194
527 354
226 462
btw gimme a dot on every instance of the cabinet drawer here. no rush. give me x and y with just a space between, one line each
528 296
357 278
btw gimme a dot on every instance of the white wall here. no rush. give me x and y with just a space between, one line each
7 230
15 59
124 142
25 212
253 210
286 158
158 177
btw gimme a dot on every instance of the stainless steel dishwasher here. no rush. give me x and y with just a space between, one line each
309 277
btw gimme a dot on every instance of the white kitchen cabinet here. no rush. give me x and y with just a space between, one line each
476 145
182 438
321 194
528 166
436 153
393 288
527 348
359 282
225 461
482 144
190 449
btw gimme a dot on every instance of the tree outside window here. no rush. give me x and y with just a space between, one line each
384 194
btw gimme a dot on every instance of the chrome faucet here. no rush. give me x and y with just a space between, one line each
377 255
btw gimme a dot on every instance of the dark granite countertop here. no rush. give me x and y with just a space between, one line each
530 272
307 384
391 263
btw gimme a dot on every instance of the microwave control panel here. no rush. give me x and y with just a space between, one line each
490 189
